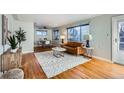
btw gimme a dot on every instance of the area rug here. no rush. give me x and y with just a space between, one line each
53 66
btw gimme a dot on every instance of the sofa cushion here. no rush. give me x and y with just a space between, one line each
68 47
70 44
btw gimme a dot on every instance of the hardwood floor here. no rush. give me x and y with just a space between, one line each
31 68
94 69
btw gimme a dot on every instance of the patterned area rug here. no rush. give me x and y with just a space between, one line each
53 66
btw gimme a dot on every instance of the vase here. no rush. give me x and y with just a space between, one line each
14 50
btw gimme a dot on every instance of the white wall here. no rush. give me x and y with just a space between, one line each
28 27
14 25
63 31
100 28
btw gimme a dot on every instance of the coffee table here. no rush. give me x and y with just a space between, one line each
58 51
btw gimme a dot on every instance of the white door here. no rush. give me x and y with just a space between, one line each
118 39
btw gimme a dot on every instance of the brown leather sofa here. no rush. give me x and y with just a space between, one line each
74 47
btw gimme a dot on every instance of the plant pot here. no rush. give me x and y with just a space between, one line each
14 50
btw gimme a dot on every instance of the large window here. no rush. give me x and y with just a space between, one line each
77 33
74 34
56 35
84 30
41 33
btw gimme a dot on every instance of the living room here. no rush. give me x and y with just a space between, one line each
61 46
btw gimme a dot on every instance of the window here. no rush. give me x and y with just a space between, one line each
56 35
41 33
74 34
77 33
44 33
84 30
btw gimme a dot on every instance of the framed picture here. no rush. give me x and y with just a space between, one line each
4 29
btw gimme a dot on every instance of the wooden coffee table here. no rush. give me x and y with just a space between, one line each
58 51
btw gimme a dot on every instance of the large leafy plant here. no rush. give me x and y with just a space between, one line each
21 36
12 41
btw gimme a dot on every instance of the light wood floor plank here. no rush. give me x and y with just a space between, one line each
94 69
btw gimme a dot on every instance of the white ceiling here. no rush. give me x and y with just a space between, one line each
53 20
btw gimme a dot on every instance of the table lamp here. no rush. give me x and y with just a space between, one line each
62 37
88 38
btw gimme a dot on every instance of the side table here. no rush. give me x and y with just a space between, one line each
88 51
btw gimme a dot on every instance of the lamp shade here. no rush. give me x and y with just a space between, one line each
62 37
88 37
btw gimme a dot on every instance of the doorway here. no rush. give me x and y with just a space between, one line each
118 39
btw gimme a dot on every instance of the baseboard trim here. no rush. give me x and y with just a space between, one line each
25 52
107 60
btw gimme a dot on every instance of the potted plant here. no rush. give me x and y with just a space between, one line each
13 43
21 36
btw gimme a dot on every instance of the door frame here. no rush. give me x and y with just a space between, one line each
114 33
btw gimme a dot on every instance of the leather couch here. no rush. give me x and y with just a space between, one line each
74 47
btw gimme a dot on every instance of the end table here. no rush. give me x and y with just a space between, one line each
89 51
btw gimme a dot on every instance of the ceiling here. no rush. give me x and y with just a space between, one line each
53 20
